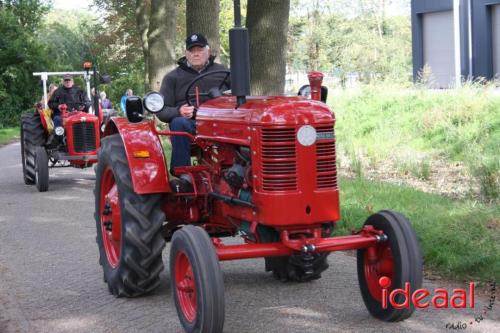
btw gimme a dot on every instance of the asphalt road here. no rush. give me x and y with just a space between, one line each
50 280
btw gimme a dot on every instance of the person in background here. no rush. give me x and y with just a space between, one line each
128 92
105 102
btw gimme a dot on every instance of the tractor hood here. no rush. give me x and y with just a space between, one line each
219 119
265 111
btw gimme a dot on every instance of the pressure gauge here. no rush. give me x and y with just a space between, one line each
306 135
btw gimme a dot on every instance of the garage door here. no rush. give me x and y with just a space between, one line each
496 39
438 47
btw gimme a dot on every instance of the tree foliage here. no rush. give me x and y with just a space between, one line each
20 55
350 37
341 38
28 14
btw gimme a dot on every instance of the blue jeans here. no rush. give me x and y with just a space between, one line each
57 120
181 145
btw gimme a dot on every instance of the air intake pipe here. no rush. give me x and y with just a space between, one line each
315 80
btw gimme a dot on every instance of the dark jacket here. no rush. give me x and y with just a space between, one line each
174 85
67 96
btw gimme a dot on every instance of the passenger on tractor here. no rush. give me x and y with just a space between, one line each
47 113
68 94
180 116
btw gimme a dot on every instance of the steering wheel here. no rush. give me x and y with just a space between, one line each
211 93
79 106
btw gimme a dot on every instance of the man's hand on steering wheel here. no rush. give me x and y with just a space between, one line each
79 106
191 97
187 111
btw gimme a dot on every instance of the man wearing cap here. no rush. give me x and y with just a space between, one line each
177 113
68 94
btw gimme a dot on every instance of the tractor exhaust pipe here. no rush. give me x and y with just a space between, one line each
240 58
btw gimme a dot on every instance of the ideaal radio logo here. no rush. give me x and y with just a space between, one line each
478 318
440 299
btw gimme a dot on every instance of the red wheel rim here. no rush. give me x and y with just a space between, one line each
378 262
185 285
110 217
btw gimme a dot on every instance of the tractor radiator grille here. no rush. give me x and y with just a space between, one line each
279 159
326 169
84 137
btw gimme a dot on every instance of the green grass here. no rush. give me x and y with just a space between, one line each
397 123
8 134
459 239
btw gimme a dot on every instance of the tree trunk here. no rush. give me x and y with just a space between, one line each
142 13
161 40
313 37
203 17
267 22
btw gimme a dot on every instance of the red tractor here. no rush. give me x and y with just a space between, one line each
266 172
73 144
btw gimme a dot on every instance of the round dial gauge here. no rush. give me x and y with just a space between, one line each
306 135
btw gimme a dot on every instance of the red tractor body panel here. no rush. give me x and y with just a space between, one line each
82 133
293 184
149 174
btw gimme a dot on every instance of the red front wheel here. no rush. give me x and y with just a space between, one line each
390 265
197 283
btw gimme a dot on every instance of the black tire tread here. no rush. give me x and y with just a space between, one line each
138 271
290 268
32 135
42 169
205 264
413 245
411 265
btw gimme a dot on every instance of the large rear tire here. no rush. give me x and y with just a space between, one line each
399 259
32 135
41 169
197 283
128 225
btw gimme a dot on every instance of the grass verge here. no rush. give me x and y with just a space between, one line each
8 134
460 239
415 126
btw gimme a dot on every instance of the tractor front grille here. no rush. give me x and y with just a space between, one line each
279 159
326 169
84 137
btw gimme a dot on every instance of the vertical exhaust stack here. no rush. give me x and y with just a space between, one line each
240 58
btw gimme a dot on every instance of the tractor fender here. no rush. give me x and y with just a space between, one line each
145 156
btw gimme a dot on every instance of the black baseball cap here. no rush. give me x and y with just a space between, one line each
196 39
67 77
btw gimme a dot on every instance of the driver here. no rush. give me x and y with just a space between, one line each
68 94
179 115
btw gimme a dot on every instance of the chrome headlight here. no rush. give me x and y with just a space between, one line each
153 102
59 130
